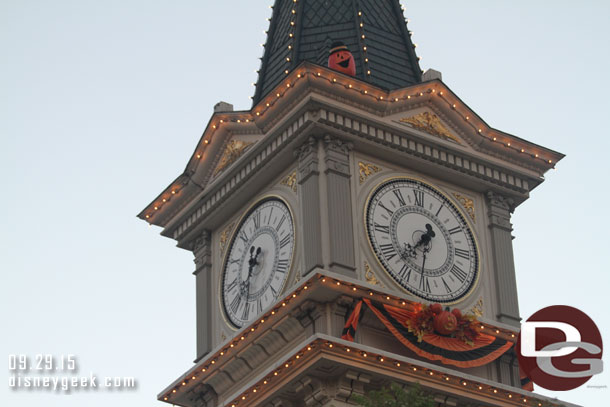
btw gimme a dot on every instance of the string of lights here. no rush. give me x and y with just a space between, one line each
362 89
271 316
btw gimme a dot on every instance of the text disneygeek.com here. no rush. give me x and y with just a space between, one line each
59 374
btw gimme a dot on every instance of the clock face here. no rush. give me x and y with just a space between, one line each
422 240
258 261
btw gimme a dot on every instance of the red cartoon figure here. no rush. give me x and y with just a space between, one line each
340 59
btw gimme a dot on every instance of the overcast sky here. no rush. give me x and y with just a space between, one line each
103 102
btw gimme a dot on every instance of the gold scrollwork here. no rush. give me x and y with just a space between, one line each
224 237
468 205
370 276
232 152
477 309
366 170
290 181
431 124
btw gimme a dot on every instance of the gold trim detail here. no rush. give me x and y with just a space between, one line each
366 170
290 181
224 237
468 205
431 124
297 277
477 309
223 337
232 152
370 276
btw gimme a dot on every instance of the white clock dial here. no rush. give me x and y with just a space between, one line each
422 240
258 261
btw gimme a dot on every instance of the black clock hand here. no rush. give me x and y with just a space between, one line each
421 281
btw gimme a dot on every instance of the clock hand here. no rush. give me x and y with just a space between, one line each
421 280
424 240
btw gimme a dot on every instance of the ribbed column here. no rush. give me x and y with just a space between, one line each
309 198
339 201
503 260
202 249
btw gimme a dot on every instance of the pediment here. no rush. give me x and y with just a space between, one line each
236 147
428 122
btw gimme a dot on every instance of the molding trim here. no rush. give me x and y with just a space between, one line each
431 124
290 181
233 150
224 237
411 144
366 170
477 309
467 204
370 276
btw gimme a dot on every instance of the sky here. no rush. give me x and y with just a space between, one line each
102 104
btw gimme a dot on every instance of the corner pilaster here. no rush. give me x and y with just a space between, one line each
500 209
202 250
309 179
340 221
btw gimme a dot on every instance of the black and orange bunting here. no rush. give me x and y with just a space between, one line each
482 350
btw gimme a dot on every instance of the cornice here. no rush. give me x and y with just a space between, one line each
284 365
309 84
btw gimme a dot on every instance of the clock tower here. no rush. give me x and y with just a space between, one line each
356 195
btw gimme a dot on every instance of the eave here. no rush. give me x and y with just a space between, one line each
324 285
182 196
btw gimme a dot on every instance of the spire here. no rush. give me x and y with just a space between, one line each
374 31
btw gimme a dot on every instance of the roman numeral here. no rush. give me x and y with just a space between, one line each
279 225
446 285
405 273
284 241
390 212
388 251
459 273
282 266
273 292
464 254
401 199
246 313
257 220
382 229
235 303
419 197
243 236
439 210
455 230
231 285
424 284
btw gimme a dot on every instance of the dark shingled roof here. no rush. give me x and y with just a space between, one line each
304 30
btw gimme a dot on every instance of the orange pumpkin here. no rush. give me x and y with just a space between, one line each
457 313
445 323
340 59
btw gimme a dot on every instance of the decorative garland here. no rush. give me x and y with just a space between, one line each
428 331
433 319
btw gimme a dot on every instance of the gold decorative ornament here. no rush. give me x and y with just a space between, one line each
370 276
224 237
367 170
232 152
223 337
297 278
431 124
477 309
290 181
468 205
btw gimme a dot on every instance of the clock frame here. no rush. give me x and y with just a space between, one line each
285 262
454 256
